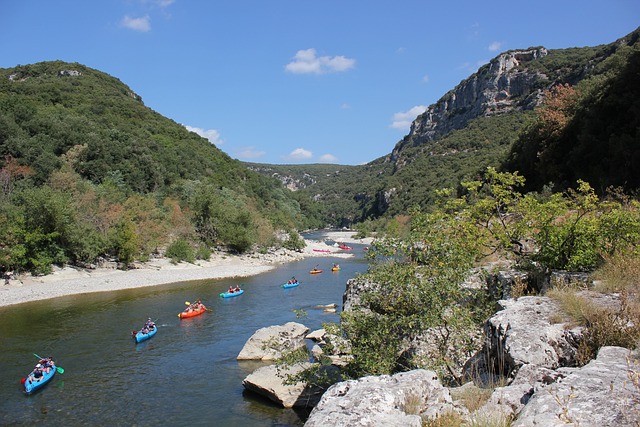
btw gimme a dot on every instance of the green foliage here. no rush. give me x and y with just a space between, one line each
418 290
596 138
294 241
90 137
125 241
180 250
423 292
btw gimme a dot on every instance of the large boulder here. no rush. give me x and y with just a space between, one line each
605 392
273 342
269 381
399 400
523 333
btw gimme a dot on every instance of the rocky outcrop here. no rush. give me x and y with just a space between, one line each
399 400
502 85
605 392
271 382
523 333
272 342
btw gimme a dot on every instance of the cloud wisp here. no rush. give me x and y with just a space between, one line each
299 154
495 46
328 158
307 62
404 119
142 24
211 134
249 153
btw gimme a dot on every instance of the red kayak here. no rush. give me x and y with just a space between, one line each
192 313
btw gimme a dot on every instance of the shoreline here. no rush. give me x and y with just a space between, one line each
160 271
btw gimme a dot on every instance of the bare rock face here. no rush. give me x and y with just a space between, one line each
390 401
272 342
523 334
605 392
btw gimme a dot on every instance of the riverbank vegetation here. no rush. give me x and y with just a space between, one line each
416 288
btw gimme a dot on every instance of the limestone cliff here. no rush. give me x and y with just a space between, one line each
502 85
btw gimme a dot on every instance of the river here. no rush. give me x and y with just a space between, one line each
186 374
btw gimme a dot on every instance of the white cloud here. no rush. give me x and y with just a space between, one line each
249 153
299 154
328 158
306 62
164 3
404 119
211 134
345 106
495 46
425 78
137 24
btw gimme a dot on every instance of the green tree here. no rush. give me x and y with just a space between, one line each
125 241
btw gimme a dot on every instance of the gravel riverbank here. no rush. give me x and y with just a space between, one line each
71 281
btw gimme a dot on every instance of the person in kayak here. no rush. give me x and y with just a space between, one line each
237 289
231 290
36 375
150 324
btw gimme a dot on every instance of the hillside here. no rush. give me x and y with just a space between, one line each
487 120
89 171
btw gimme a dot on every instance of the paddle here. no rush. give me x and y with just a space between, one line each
58 368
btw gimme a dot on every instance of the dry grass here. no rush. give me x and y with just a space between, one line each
579 309
472 397
604 326
413 404
447 420
619 273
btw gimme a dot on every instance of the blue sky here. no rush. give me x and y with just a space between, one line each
298 81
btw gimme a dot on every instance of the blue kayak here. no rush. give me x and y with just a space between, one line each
141 336
232 294
31 384
290 285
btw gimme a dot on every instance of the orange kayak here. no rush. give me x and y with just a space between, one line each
193 313
315 271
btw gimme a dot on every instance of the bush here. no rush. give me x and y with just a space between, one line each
180 250
294 242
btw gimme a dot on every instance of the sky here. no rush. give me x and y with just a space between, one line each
298 81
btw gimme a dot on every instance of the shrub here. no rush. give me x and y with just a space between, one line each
180 250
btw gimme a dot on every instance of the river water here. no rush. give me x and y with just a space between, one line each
186 374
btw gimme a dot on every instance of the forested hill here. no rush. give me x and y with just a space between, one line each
53 112
87 171
553 115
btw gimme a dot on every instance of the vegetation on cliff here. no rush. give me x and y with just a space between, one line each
419 289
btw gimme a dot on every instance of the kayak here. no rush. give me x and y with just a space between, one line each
31 385
193 313
141 336
335 268
315 271
345 247
232 294
321 250
290 285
